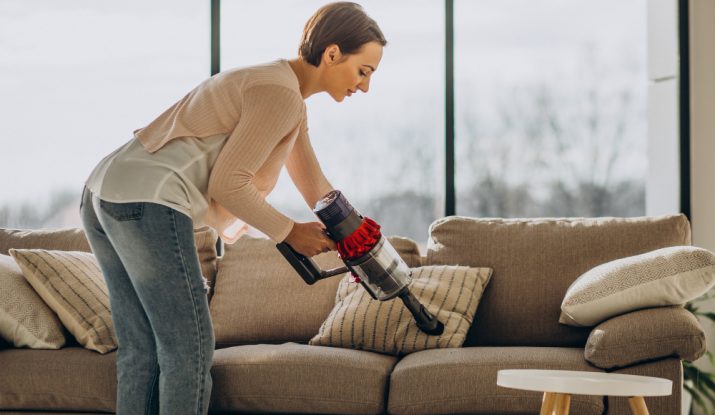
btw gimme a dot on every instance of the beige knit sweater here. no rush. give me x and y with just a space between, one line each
262 110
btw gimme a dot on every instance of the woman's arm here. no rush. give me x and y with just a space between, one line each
305 171
269 113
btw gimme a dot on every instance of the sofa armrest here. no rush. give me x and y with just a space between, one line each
644 335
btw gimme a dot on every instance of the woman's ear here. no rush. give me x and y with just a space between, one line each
332 54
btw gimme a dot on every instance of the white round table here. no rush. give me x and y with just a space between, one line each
559 385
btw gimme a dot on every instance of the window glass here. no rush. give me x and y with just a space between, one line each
550 101
76 78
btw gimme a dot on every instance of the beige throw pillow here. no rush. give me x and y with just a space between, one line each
25 320
451 293
646 335
72 285
664 277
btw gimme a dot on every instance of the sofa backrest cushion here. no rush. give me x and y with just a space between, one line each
260 298
61 239
535 261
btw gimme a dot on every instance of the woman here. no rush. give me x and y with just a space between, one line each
211 159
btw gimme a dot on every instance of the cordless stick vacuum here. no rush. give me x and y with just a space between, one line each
367 254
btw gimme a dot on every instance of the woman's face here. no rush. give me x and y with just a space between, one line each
345 74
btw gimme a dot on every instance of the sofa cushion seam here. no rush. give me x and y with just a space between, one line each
500 366
284 364
64 395
300 397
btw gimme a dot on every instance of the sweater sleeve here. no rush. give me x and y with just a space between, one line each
269 114
305 171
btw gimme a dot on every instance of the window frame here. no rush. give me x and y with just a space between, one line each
449 190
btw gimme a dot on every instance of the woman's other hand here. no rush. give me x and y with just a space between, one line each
309 239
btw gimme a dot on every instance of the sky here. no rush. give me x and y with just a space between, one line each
77 77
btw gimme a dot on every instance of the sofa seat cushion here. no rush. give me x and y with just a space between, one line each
298 378
450 381
68 379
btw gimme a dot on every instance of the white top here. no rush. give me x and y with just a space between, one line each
175 176
584 383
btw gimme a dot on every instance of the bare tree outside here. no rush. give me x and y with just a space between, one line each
549 152
26 215
554 151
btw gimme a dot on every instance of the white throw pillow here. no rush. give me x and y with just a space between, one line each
664 277
25 320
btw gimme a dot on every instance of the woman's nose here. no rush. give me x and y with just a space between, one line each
364 86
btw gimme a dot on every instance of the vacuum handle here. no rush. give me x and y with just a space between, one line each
306 267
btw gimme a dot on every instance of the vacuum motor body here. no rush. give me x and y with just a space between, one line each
367 254
380 270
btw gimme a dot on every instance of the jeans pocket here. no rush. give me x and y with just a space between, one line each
122 211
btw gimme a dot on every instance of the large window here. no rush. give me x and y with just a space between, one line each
550 101
76 78
383 149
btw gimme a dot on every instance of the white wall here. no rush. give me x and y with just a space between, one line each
702 121
702 144
663 184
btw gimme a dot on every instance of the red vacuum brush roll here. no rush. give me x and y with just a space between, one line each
361 241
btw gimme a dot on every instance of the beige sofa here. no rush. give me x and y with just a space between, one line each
264 364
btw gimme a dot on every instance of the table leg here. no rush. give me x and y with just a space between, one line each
637 404
547 404
563 403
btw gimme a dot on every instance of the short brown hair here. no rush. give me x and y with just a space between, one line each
342 23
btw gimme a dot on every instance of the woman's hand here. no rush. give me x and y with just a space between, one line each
309 239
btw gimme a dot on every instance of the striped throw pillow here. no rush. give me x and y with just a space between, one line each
451 293
25 320
72 285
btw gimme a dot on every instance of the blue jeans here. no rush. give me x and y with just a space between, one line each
160 310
